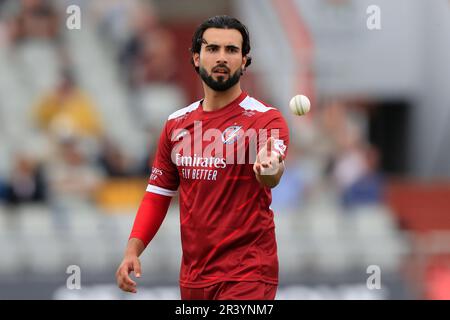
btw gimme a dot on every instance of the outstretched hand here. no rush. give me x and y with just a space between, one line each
268 160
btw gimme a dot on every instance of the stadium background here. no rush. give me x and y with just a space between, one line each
367 179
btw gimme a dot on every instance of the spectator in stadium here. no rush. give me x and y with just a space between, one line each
27 181
3 189
72 177
68 111
367 188
155 89
354 162
150 70
115 162
4 39
141 20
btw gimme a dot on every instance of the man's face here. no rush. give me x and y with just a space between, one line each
220 60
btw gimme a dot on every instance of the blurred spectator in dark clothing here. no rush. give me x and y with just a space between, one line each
155 60
3 189
115 162
3 26
27 182
151 72
354 162
368 187
143 21
147 56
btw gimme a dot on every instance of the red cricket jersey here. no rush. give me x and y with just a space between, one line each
227 227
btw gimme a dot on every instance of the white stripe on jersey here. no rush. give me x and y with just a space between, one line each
250 103
161 191
185 110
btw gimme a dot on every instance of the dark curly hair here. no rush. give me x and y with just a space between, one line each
221 22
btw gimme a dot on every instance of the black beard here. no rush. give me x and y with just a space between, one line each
220 84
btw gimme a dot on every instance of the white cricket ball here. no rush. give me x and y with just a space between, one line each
300 105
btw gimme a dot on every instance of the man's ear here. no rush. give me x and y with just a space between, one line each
196 59
244 62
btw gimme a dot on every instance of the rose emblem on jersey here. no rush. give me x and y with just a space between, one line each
279 146
231 134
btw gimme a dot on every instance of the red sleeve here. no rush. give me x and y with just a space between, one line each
276 127
149 217
164 178
162 185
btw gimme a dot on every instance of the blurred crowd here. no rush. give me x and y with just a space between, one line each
69 153
65 95
331 153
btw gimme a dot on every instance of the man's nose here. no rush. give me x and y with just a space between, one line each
222 57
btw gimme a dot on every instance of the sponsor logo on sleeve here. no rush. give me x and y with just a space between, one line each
155 173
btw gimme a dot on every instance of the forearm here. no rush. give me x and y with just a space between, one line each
135 247
149 217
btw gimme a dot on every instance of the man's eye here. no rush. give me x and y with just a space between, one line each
211 49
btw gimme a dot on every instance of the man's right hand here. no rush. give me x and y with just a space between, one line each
129 263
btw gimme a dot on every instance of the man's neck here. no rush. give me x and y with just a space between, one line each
215 100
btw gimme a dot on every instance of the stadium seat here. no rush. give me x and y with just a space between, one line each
374 221
378 240
35 220
291 245
171 241
11 261
45 254
43 75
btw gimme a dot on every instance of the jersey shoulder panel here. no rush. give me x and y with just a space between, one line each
252 104
185 110
264 112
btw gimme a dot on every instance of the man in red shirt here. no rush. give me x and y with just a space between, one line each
223 153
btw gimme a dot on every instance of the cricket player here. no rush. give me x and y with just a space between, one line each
223 154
